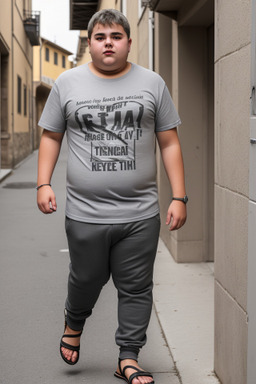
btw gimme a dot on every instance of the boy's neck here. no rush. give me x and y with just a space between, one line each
109 74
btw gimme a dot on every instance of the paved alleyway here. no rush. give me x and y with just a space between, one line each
33 274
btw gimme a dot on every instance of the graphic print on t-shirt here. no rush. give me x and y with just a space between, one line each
112 131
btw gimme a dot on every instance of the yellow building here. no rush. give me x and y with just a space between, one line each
19 32
49 61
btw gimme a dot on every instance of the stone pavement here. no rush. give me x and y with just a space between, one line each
33 277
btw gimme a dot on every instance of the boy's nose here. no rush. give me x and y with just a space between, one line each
108 41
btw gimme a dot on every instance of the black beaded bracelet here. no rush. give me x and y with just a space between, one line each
42 185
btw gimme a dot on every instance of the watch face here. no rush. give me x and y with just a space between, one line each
183 199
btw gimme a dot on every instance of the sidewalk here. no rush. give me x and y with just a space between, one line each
33 275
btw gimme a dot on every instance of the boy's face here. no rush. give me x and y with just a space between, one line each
109 47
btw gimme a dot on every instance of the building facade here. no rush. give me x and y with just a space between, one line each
19 32
206 52
49 61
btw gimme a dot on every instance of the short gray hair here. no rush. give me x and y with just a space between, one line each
108 17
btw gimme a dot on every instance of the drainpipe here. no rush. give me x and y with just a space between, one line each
124 7
13 160
40 60
31 102
251 352
151 38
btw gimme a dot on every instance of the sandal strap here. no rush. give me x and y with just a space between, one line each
73 335
130 366
69 346
135 374
119 365
140 373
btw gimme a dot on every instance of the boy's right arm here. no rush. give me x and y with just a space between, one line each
49 150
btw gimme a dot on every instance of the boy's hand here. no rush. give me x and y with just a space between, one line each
176 215
46 200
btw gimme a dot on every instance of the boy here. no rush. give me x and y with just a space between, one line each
111 111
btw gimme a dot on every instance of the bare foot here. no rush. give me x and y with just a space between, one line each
130 371
75 341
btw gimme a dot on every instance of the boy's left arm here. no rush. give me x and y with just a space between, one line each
170 148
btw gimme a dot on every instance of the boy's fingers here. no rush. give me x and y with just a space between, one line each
168 218
174 225
53 204
48 206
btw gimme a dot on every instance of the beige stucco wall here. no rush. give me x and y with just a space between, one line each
132 16
164 66
164 43
104 4
36 63
232 112
16 142
143 44
6 14
21 122
6 127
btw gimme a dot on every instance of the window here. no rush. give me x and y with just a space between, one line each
25 100
63 62
55 58
47 54
19 94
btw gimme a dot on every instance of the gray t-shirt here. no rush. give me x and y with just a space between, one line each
110 126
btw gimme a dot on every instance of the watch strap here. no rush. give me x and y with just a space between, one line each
183 199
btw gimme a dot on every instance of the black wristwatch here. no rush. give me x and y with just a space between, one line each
183 199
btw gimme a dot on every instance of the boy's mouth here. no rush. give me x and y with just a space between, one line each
109 52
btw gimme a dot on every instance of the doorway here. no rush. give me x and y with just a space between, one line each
4 59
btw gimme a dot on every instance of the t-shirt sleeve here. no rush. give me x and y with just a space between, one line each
167 116
52 117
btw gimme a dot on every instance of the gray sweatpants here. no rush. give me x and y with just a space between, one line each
127 251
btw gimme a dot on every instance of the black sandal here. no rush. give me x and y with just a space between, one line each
69 346
138 373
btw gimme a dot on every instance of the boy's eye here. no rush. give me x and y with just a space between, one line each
101 38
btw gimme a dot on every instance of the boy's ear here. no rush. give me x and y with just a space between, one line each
89 44
130 43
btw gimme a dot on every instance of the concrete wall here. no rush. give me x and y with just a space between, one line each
232 112
184 58
191 66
